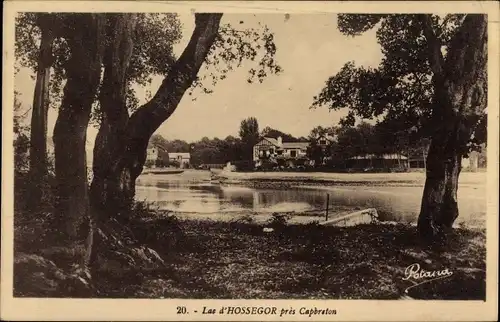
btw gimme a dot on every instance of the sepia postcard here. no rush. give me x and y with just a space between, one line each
250 161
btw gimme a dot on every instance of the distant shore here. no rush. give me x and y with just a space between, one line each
325 177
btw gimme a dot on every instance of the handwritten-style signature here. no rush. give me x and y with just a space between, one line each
419 276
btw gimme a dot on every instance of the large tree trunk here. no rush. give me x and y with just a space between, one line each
460 99
120 150
84 33
439 208
38 134
106 188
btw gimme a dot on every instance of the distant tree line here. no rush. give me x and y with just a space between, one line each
363 139
230 149
345 142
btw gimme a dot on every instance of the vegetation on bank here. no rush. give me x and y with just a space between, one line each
156 256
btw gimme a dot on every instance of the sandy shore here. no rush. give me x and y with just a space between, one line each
466 178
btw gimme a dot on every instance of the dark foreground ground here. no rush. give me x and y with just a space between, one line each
201 259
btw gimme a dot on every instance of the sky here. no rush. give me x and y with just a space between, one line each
309 49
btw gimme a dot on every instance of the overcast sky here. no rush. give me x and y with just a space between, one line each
309 49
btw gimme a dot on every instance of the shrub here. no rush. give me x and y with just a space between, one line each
143 210
245 219
244 165
174 164
149 163
279 219
159 163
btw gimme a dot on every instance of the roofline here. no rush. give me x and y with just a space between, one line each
267 139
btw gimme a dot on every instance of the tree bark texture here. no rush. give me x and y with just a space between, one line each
85 36
121 145
460 85
106 189
38 134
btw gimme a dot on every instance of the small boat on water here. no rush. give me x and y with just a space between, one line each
164 171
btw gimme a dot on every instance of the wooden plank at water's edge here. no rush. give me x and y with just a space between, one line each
355 218
163 171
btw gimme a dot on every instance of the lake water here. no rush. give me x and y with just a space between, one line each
192 192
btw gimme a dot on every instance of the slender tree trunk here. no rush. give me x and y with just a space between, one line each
115 174
38 133
85 40
459 100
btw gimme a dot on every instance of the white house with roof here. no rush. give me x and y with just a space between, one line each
183 158
271 148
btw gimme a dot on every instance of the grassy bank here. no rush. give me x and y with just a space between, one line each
204 259
239 260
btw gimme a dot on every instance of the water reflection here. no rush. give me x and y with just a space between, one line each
198 195
207 198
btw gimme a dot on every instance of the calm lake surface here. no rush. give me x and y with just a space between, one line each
192 192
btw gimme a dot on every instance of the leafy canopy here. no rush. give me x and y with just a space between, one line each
249 130
153 53
399 92
154 38
275 133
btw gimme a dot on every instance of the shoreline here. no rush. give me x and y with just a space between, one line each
326 177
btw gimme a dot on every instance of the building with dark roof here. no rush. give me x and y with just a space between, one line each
271 148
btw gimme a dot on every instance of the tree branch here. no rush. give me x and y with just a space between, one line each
436 58
182 74
151 115
418 79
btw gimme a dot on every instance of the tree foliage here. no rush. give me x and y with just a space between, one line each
153 54
275 133
319 131
155 36
399 92
205 151
249 134
232 47
216 151
249 130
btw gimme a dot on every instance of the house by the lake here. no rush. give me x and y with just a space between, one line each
155 152
158 156
324 141
291 153
183 158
